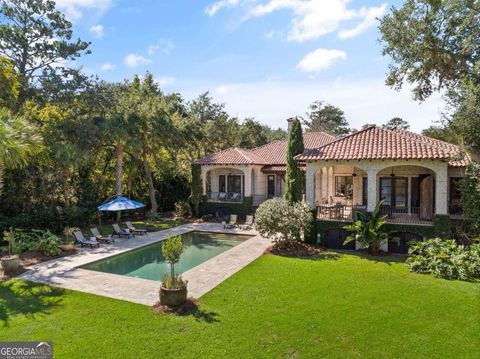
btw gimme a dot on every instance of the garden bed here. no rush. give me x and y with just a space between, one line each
296 249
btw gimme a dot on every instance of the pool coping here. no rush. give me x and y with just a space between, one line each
65 272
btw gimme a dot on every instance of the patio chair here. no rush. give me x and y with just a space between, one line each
99 237
80 239
248 223
222 196
232 222
132 229
117 231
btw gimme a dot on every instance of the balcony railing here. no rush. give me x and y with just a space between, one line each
224 197
260 198
411 215
339 212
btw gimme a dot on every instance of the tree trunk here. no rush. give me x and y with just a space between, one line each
118 174
66 196
2 168
119 169
151 187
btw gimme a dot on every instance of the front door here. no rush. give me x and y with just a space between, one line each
393 191
271 186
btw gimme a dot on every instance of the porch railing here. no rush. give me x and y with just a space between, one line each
411 215
408 215
224 197
258 199
338 211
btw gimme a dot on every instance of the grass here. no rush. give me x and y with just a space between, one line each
339 305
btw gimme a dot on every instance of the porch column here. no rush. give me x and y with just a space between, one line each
372 190
310 185
247 171
441 189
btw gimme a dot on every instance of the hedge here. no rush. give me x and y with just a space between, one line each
242 209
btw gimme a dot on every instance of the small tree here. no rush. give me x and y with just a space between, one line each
196 195
294 179
397 123
283 222
368 229
470 188
172 250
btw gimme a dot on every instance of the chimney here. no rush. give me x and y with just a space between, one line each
290 121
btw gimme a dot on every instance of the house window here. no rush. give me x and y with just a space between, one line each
394 191
344 186
222 184
234 183
271 186
455 195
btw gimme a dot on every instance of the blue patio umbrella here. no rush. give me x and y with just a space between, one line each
120 204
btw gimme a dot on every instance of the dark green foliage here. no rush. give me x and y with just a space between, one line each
433 45
183 209
242 209
442 226
294 177
197 190
445 258
470 188
397 123
326 118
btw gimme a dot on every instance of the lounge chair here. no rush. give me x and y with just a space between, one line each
232 222
222 196
99 237
80 239
117 231
132 229
248 223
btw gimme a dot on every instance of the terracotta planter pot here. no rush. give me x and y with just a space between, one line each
10 264
173 297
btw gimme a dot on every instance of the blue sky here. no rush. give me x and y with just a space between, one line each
267 59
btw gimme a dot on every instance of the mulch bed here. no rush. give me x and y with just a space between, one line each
297 249
28 259
189 307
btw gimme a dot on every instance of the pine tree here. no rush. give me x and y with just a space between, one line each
294 177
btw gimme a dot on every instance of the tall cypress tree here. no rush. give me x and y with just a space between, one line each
294 177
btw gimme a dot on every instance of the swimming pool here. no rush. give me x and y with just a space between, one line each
148 262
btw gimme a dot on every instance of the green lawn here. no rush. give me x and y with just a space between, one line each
337 306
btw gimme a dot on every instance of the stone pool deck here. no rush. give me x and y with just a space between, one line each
64 272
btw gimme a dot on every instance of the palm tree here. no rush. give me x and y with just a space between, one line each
17 142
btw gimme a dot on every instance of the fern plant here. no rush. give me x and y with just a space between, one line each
368 229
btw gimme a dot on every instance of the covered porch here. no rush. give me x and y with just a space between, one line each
412 191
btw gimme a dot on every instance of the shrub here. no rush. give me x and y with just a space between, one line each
368 229
48 243
282 222
445 258
183 209
172 249
207 217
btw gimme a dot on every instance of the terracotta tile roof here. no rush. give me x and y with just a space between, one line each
273 153
232 156
279 168
378 143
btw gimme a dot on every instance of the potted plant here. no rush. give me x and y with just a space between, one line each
69 242
11 262
173 289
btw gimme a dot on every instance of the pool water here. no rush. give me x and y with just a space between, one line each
148 262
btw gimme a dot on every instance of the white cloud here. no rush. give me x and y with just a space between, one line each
363 101
134 60
320 59
74 9
97 30
107 67
212 9
370 16
164 45
165 81
311 18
